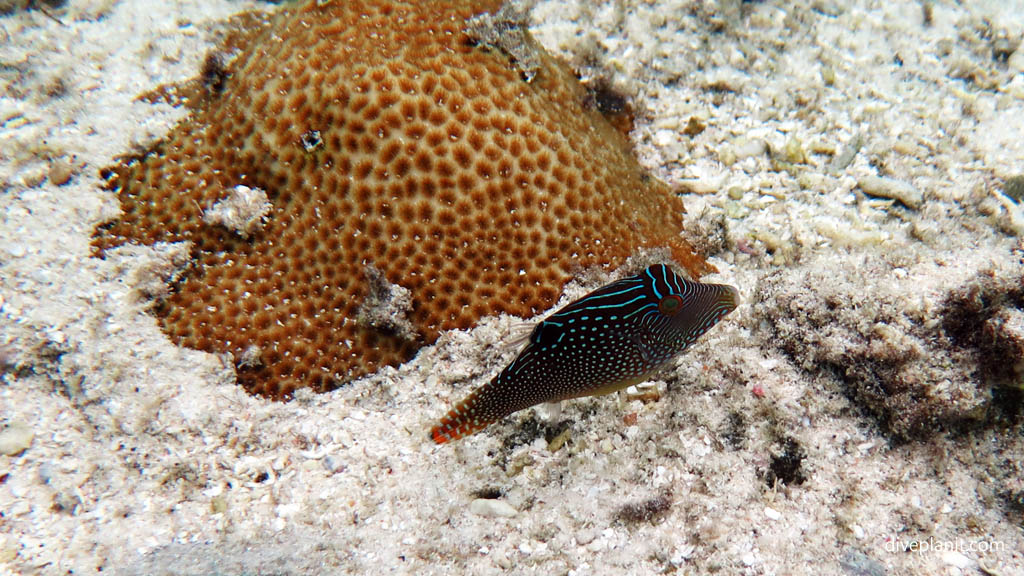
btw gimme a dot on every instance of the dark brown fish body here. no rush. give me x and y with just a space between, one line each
613 337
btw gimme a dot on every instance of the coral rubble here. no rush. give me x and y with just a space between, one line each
947 358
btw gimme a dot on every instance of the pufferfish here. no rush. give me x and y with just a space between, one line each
613 337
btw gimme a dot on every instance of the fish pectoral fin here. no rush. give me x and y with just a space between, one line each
551 411
645 350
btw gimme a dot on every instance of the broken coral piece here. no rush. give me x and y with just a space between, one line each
243 210
385 138
386 305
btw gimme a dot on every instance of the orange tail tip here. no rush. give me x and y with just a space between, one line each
476 412
438 435
462 420
453 426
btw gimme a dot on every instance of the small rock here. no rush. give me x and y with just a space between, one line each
1016 60
856 563
694 126
46 472
218 504
664 138
585 536
793 152
33 178
1003 47
66 502
557 442
1014 187
492 508
843 160
681 554
8 547
954 558
722 80
311 140
386 306
333 464
250 358
747 148
893 189
1012 222
15 438
697 186
727 155
828 74
645 392
828 8
60 172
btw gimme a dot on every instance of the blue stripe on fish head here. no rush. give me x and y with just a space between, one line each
657 310
679 311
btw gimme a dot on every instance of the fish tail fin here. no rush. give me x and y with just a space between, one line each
464 419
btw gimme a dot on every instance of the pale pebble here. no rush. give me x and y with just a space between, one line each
893 189
489 508
15 438
954 558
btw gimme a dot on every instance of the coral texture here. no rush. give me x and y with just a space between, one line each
387 139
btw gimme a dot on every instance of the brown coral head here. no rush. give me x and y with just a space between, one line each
381 136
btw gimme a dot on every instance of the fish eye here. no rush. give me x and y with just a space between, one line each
670 304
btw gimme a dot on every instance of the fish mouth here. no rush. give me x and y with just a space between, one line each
729 296
726 298
716 302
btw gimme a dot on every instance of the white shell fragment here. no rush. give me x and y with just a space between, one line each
893 189
15 438
492 508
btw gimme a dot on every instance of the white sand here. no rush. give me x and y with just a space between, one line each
147 459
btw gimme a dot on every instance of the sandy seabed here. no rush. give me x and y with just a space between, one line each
852 167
